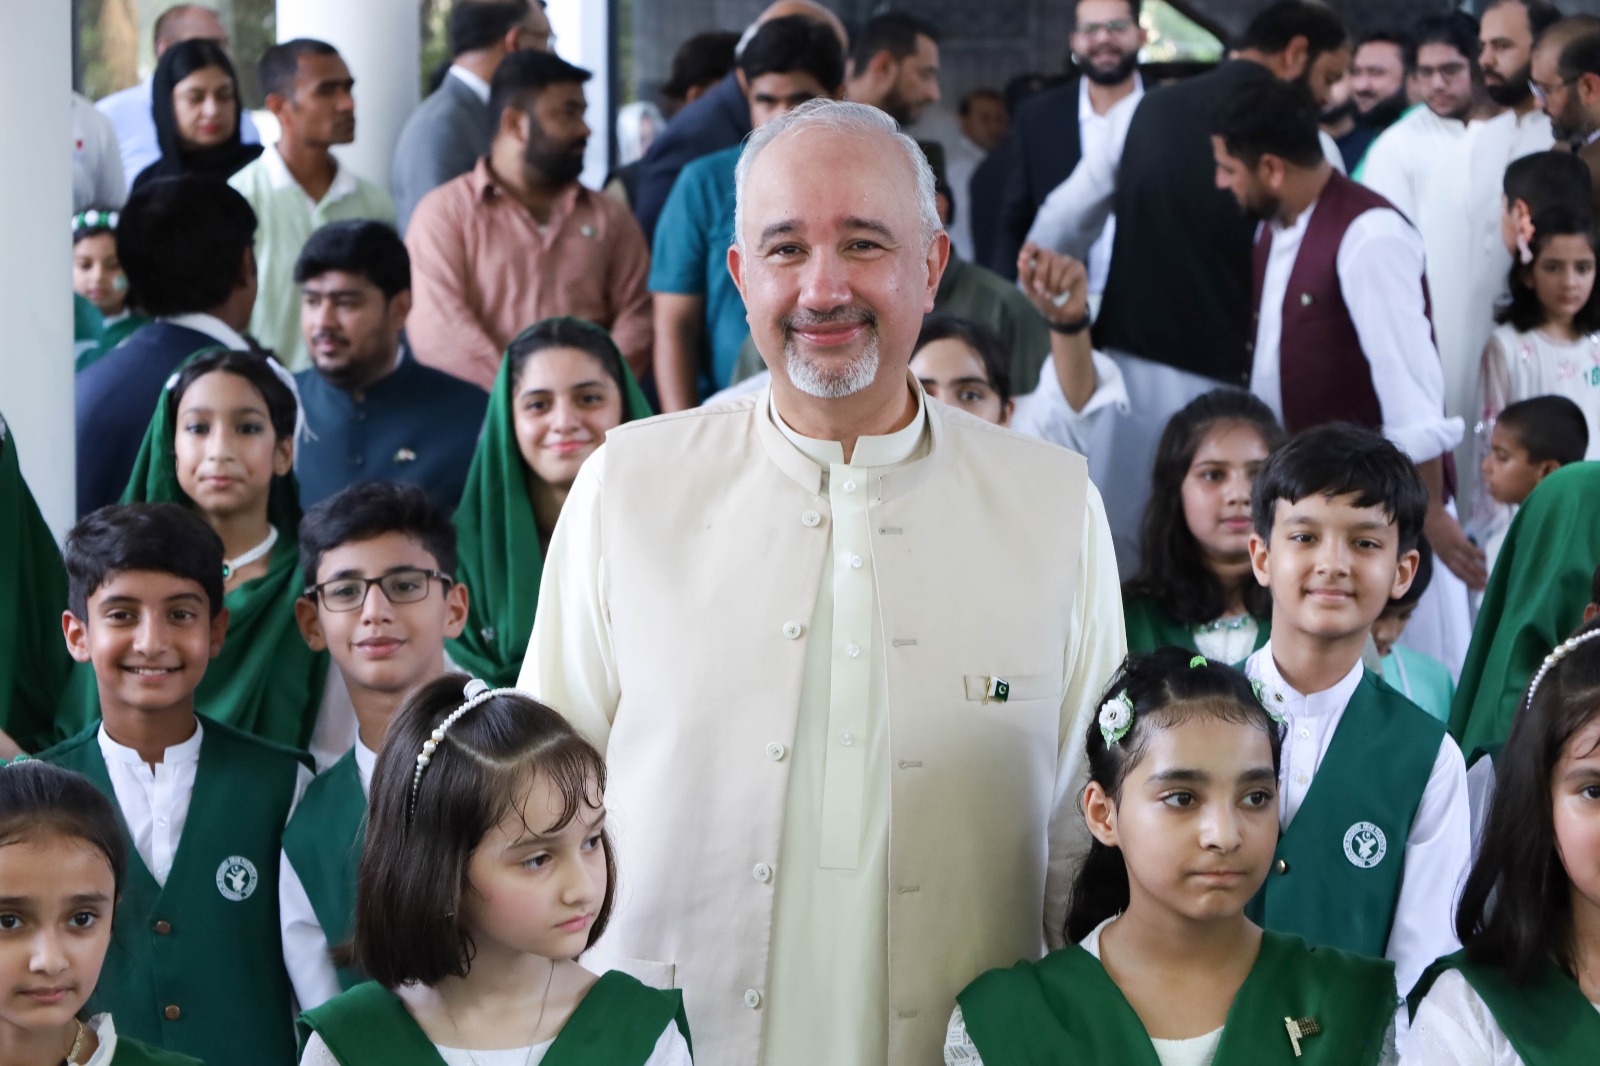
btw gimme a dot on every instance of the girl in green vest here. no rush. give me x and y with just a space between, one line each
61 866
1166 969
487 871
1194 588
562 386
222 442
1525 988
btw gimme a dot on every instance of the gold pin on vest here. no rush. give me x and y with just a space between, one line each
1299 1029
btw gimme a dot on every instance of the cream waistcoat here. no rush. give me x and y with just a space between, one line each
672 629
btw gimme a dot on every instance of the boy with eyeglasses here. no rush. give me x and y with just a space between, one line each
382 601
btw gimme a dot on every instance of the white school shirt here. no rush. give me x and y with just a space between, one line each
1454 1027
670 1050
154 800
1379 264
305 945
211 326
1439 845
1045 413
1093 130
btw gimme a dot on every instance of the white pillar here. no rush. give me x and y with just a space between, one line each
36 253
381 42
583 38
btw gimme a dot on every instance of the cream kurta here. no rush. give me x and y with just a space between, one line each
823 830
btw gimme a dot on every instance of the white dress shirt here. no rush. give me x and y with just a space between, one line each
213 327
1380 264
1093 131
479 87
305 945
1439 846
1455 1027
1046 414
154 799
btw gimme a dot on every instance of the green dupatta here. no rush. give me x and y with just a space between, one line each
34 664
266 680
1535 597
497 540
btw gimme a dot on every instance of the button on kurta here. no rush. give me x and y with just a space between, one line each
792 630
846 739
776 751
762 872
849 486
855 562
853 650
172 1013
752 998
810 519
163 928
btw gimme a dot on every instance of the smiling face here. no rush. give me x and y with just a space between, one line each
1332 567
383 646
534 888
833 264
206 108
149 635
563 405
951 372
56 898
1106 39
97 273
1216 491
227 451
1377 72
1197 818
1575 792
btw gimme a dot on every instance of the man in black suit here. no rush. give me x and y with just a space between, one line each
1048 131
186 245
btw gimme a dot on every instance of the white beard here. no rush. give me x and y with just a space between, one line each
813 379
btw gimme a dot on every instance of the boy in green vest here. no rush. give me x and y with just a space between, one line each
1373 794
195 965
378 556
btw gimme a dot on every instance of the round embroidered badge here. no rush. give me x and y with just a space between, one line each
237 878
1365 845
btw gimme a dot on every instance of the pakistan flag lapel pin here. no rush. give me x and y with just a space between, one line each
999 690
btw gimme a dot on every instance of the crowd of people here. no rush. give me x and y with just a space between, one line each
1116 583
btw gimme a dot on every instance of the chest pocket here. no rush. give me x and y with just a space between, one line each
984 688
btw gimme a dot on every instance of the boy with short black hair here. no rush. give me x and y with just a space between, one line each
196 967
1531 440
373 555
1420 678
1372 793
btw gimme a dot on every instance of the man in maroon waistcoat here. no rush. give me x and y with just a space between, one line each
1342 327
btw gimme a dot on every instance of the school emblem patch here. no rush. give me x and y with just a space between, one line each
237 878
1365 845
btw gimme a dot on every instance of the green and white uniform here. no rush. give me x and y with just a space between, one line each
1470 1013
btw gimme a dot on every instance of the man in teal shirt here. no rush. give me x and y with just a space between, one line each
297 185
699 317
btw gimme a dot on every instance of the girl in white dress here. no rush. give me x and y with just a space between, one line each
487 870
1525 988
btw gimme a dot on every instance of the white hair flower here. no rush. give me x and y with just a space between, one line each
1116 717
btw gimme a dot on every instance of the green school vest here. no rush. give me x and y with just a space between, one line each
1066 1009
1150 627
324 841
197 966
1336 876
132 1052
618 1023
1549 1021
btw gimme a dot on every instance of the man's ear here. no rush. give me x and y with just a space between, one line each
399 310
278 105
938 259
1293 59
736 267
305 616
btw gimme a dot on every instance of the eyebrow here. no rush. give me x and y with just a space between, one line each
180 597
545 838
1201 777
310 289
595 384
1366 526
398 568
871 225
250 409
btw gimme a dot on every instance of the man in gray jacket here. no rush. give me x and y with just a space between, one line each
449 130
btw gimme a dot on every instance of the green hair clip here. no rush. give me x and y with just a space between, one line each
1198 661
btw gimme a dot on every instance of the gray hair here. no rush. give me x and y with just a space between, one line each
839 116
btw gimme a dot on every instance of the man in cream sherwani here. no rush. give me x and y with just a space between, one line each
840 643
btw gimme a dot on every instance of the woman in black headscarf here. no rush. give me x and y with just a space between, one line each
194 98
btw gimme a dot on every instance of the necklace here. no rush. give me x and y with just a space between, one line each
1224 623
77 1042
537 1025
232 566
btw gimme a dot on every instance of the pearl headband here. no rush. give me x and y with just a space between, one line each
1556 655
476 692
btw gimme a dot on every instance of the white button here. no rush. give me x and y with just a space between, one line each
162 822
792 630
849 486
853 650
1300 779
846 739
776 751
855 562
752 998
810 519
1305 734
762 872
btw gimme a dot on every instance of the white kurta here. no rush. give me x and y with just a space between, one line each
305 945
1439 846
1454 1027
848 861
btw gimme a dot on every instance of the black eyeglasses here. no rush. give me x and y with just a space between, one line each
400 586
